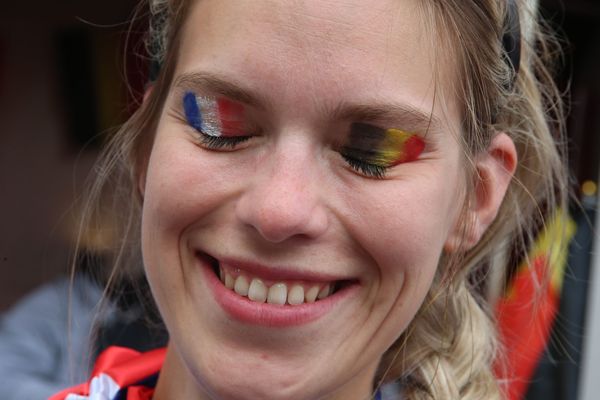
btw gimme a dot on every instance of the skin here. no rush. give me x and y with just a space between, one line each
287 197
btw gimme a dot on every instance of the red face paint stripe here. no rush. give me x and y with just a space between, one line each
231 117
409 150
413 147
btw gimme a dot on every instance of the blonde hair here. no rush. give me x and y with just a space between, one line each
448 349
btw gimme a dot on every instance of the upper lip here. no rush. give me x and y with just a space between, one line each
277 272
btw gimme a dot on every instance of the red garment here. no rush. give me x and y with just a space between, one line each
119 373
527 311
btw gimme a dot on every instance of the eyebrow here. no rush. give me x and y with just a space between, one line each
410 118
203 82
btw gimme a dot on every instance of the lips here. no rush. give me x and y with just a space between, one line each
261 295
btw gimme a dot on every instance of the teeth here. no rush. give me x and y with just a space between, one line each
311 294
229 281
277 294
241 285
324 292
257 291
296 295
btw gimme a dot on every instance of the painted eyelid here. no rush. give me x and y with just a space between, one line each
382 147
214 117
412 146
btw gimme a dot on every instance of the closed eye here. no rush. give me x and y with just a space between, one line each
371 150
220 123
364 168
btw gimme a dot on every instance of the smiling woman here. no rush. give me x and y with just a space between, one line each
315 184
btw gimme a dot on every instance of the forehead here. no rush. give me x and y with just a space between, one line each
348 50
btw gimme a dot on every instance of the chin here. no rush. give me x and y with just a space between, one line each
250 381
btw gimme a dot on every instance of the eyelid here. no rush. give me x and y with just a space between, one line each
214 116
412 145
371 150
381 146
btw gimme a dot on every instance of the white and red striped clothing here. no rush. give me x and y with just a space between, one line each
119 374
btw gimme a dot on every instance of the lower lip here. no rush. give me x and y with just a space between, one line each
271 315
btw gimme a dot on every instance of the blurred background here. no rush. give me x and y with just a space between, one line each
62 82
63 67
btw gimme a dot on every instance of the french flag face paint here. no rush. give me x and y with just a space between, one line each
382 147
212 116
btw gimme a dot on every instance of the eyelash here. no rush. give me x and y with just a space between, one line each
220 142
364 168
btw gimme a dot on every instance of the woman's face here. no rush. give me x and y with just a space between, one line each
305 150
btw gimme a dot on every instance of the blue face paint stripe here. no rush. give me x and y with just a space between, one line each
192 112
378 395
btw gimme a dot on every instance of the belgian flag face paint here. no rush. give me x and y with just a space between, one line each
383 148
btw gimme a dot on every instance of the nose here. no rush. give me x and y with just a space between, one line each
284 198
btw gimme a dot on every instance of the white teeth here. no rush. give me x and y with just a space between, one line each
229 281
324 292
311 294
257 291
296 295
241 285
277 294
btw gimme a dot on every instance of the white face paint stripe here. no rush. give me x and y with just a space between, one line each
211 121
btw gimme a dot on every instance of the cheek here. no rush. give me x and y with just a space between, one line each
184 186
183 183
403 226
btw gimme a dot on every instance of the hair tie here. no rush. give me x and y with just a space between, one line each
511 39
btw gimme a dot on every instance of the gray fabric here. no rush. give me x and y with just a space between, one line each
40 352
391 391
